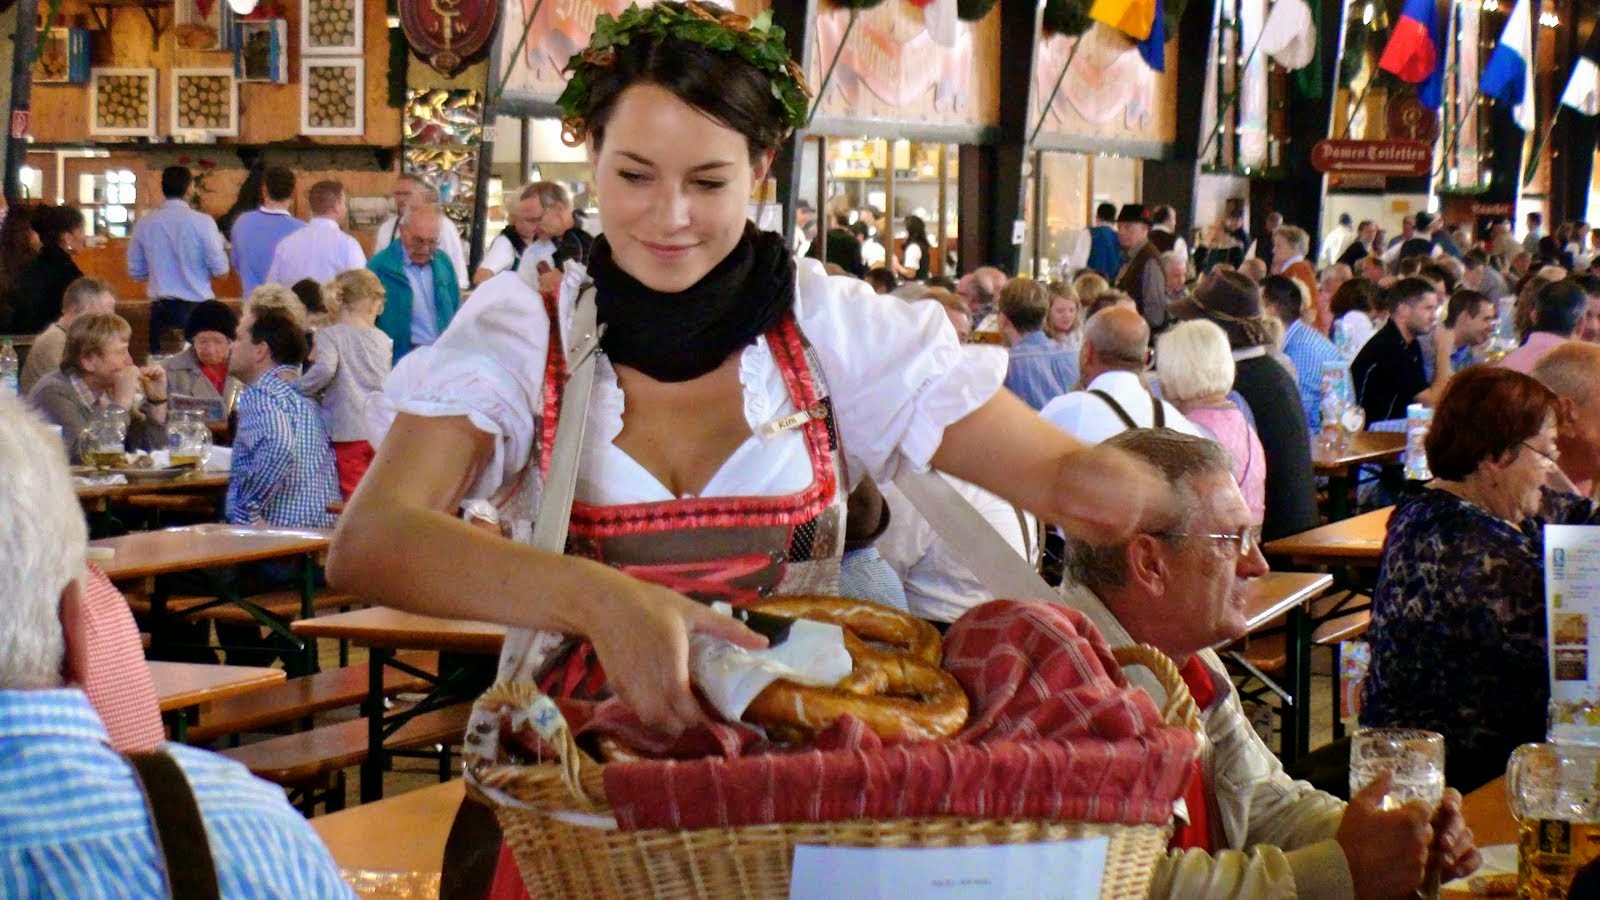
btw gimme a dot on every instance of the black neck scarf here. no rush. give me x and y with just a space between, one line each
681 336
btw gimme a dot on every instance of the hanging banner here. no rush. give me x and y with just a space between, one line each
450 34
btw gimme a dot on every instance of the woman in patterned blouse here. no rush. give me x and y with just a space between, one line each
1458 615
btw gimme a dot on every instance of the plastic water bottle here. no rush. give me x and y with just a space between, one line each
9 379
1418 419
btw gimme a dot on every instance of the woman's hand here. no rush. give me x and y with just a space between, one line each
641 633
1104 496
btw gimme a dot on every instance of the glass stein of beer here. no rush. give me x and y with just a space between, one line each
101 441
1554 794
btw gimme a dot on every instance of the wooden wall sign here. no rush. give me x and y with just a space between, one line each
450 34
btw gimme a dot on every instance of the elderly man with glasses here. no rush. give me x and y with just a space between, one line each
419 284
1247 829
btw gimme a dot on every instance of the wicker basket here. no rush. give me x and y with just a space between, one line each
557 823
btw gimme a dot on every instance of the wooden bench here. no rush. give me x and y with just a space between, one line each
1268 654
283 604
304 762
302 697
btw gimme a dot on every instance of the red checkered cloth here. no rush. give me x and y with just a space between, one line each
1055 732
118 679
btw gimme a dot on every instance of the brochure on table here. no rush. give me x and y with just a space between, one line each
1572 609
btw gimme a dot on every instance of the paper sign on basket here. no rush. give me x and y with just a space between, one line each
1572 608
1002 872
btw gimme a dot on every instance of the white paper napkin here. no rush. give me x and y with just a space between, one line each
731 676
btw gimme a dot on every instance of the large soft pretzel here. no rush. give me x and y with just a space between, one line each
898 690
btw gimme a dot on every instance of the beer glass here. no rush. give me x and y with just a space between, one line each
1416 759
1554 794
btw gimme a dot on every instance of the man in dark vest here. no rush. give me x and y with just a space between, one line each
1141 277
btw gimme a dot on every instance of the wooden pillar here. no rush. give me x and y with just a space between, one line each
798 19
23 43
1000 169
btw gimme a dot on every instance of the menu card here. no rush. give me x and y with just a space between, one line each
1572 609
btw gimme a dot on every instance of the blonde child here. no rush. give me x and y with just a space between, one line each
352 359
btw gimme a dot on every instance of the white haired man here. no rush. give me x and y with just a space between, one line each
1250 830
412 189
421 295
74 820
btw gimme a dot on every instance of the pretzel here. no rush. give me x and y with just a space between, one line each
899 691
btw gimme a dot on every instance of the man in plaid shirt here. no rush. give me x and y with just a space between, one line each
283 472
1251 831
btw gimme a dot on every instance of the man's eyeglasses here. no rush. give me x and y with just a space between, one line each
1246 542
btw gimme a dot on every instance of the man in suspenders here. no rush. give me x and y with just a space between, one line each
1113 362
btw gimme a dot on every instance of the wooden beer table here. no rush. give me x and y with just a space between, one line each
1488 814
98 495
143 555
1275 596
1353 542
1366 448
364 837
383 632
181 687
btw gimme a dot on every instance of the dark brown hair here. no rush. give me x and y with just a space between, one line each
721 85
1486 412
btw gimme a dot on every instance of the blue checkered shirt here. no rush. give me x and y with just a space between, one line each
283 472
1309 350
73 822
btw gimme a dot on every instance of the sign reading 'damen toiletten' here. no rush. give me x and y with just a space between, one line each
1398 158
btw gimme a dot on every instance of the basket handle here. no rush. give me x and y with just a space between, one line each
1180 708
583 775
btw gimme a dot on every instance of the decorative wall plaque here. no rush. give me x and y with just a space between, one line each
450 34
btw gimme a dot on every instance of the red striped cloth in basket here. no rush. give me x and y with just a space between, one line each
1055 732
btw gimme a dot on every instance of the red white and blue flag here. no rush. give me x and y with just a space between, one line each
1416 50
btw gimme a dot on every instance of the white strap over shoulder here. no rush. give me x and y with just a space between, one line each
517 657
997 565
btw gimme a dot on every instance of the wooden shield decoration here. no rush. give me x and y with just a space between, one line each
450 34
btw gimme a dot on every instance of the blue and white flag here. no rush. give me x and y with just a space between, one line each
1508 76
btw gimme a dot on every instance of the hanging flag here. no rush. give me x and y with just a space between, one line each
1154 47
1414 51
1309 78
1508 75
1133 18
1289 37
1583 87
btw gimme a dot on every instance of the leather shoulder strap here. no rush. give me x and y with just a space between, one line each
1115 407
180 832
1158 412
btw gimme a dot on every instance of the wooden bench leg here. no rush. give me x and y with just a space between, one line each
1338 695
372 767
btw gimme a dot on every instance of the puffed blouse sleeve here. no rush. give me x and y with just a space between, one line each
896 373
488 366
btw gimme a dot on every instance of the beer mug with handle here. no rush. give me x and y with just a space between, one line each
1554 794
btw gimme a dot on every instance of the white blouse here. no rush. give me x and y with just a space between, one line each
895 372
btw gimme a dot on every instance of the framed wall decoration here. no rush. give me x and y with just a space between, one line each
330 27
332 96
205 100
261 51
122 102
63 57
202 24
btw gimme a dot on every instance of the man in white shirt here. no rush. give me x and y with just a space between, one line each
1336 241
409 189
519 243
1115 355
321 250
